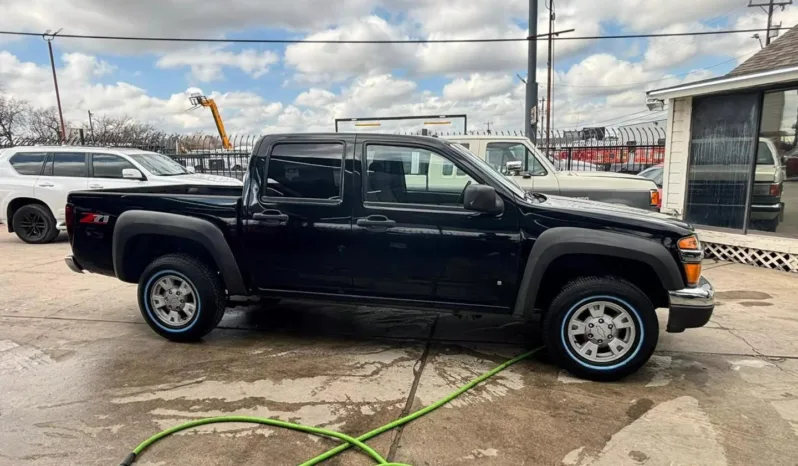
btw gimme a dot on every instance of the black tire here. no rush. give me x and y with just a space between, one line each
618 295
210 304
766 225
34 224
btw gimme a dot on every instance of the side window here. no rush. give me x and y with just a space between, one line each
433 179
305 171
108 166
28 163
499 153
71 164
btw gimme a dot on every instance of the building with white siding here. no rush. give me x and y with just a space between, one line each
731 157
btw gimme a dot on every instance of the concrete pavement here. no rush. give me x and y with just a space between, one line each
83 380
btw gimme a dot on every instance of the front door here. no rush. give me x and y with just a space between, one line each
413 240
298 227
106 172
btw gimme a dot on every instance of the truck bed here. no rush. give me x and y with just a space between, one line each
96 212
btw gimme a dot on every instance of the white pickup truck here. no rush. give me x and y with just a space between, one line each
517 158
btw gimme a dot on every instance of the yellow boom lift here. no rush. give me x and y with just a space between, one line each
198 100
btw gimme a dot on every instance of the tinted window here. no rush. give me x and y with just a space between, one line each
109 166
28 163
69 164
764 156
388 180
308 171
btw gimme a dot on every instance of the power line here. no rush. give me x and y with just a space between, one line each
400 41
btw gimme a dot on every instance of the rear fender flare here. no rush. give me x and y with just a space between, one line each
141 222
557 242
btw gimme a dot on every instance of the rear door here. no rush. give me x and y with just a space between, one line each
106 172
63 173
298 225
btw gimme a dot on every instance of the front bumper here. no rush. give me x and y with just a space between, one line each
691 307
73 264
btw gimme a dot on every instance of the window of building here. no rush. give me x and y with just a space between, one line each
305 171
432 178
109 166
69 164
28 163
774 200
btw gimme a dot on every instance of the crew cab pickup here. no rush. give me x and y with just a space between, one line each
376 220
519 159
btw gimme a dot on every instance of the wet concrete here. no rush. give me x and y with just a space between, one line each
83 380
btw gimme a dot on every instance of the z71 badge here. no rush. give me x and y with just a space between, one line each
97 219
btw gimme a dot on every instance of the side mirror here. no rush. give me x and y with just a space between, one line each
132 174
191 169
513 167
482 198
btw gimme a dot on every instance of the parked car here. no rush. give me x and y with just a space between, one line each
346 218
655 174
35 181
531 170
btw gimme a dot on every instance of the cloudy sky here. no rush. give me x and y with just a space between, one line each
300 87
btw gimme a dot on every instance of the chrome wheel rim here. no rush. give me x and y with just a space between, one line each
601 332
173 300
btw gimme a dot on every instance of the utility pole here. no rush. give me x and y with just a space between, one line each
768 8
531 109
91 127
542 116
49 39
548 80
488 123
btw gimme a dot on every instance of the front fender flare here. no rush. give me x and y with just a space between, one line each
557 242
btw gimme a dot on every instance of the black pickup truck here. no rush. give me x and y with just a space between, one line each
398 221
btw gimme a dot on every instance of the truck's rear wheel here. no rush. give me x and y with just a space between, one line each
180 297
601 328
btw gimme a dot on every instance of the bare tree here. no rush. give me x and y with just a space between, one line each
13 115
44 123
122 129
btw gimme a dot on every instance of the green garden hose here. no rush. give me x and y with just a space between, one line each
348 440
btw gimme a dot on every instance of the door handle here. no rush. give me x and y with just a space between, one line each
95 186
271 217
45 185
376 223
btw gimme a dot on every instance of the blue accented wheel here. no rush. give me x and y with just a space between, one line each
601 328
181 297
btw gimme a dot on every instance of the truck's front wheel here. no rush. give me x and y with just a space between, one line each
601 328
180 297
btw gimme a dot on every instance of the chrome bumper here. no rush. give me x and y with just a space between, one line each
691 307
73 264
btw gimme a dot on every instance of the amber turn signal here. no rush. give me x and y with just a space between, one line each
692 273
688 244
655 197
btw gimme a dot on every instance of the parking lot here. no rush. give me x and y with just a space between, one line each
83 380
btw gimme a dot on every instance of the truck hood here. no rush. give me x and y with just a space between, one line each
199 178
622 216
600 174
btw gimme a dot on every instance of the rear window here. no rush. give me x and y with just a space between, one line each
69 164
28 163
306 171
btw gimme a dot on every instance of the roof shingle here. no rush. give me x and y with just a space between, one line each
781 53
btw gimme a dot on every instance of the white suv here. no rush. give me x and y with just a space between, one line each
35 181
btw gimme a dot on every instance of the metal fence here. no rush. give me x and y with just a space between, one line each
626 150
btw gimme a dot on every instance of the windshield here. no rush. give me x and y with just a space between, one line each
494 175
159 164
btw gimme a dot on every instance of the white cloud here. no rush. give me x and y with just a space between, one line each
315 98
207 63
477 86
325 62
